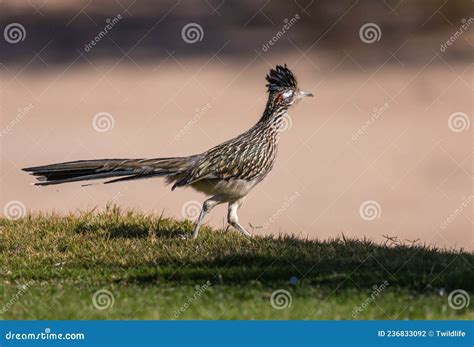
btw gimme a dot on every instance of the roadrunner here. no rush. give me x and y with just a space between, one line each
226 172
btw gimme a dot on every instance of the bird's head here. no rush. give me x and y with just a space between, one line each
282 87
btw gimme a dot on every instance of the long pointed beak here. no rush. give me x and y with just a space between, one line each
304 93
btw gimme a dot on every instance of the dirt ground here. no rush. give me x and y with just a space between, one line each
373 140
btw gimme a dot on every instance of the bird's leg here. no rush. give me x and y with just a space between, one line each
233 219
208 205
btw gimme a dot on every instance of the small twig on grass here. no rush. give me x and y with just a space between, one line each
393 239
412 242
344 237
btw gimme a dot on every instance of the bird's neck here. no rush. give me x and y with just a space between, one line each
273 117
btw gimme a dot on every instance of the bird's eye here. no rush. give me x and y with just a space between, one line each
287 94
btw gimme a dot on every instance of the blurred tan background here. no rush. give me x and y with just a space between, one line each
383 149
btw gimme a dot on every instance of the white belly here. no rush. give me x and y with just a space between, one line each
231 190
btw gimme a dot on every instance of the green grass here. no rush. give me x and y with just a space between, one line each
152 272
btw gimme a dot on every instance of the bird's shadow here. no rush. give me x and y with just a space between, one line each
141 232
113 226
229 258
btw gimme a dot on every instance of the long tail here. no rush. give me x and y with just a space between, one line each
126 169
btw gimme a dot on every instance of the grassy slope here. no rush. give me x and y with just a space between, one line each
152 272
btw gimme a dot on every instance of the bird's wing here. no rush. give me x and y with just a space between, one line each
232 160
